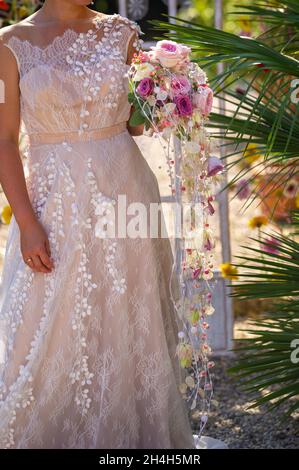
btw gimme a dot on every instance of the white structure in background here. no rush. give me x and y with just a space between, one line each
221 330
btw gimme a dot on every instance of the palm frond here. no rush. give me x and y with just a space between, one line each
269 274
211 46
268 367
279 13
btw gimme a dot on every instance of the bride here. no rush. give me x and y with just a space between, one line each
87 329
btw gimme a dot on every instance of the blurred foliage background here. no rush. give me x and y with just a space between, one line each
201 11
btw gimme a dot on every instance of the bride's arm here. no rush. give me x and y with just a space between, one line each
12 176
134 130
33 238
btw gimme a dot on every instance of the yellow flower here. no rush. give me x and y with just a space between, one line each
23 11
6 214
228 271
258 221
245 24
251 154
297 201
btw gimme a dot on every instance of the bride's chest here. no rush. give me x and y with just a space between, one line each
83 70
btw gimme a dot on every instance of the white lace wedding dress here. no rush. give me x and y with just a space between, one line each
87 352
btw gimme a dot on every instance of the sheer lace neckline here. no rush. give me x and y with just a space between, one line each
68 33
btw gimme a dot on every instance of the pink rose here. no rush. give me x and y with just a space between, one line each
203 100
170 53
180 85
185 51
145 87
183 104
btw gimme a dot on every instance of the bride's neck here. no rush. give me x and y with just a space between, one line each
63 11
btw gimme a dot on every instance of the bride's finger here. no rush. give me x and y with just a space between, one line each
38 264
48 248
28 260
45 259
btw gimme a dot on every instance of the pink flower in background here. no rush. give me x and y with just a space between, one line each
214 166
183 104
145 87
203 100
243 189
291 188
180 85
272 245
169 53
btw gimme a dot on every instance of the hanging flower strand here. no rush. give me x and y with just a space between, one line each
171 97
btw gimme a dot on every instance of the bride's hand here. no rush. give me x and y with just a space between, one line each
35 245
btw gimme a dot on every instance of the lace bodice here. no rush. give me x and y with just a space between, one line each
78 81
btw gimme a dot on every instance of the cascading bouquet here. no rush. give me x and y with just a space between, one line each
171 97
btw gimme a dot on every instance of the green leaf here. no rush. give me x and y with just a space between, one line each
131 97
137 118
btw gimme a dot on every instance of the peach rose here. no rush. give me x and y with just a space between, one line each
170 53
203 100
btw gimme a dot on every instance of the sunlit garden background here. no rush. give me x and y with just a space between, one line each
256 403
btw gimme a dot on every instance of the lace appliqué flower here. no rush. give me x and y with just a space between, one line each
104 209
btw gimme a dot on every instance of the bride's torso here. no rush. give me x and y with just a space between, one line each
72 78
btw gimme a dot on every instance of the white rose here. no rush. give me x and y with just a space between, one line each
143 71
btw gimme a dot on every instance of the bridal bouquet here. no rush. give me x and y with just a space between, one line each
171 96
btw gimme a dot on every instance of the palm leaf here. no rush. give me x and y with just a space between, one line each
268 368
239 53
279 13
268 362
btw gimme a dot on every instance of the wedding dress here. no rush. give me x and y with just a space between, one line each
87 352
